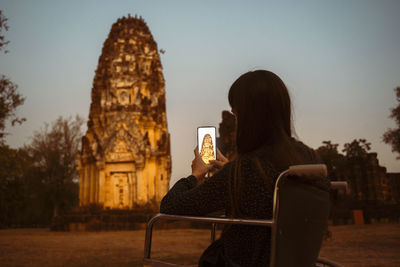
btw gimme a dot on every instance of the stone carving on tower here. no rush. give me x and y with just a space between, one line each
125 160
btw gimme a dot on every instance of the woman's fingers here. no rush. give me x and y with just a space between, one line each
199 168
221 161
196 152
217 163
221 156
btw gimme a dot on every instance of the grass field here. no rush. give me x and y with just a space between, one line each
365 245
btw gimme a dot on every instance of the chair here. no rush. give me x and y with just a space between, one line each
299 221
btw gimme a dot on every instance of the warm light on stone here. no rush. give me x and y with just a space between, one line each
125 160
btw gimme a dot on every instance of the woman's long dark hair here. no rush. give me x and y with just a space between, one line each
262 106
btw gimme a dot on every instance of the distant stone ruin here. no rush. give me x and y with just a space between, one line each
373 191
226 140
125 161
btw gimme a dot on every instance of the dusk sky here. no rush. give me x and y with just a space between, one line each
339 59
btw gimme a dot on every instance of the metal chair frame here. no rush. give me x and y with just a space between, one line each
314 170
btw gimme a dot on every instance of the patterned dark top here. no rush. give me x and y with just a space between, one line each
242 245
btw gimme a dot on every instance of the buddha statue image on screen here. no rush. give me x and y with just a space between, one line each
207 149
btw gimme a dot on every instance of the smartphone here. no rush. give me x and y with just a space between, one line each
206 143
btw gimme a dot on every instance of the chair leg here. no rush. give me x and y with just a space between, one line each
213 229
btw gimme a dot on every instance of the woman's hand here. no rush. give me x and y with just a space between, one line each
221 160
199 168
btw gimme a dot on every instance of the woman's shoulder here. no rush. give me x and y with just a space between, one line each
309 155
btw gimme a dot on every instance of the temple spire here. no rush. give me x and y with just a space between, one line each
125 160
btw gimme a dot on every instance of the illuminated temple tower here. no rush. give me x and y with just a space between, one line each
125 161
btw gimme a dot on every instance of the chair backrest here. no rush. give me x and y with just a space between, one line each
301 214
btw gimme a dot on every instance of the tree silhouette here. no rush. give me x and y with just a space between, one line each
3 27
392 136
12 161
10 99
55 149
330 156
358 148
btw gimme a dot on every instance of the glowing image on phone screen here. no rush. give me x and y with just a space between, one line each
206 143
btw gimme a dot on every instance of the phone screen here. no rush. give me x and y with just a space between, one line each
206 143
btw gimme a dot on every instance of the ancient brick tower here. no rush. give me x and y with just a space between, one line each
125 161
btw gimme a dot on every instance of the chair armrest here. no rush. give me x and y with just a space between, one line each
326 262
161 216
223 220
340 185
157 263
311 170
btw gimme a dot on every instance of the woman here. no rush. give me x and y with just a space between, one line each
244 187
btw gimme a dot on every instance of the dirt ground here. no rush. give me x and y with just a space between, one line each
366 245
